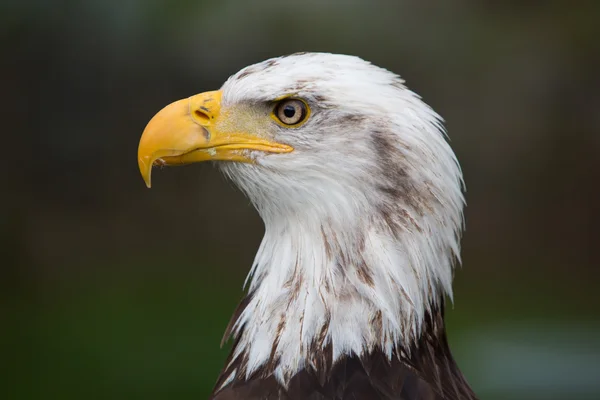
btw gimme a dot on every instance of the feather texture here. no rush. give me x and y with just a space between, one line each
362 231
424 371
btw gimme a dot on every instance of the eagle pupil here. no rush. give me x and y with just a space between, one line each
289 111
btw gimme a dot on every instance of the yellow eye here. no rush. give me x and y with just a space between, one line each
291 111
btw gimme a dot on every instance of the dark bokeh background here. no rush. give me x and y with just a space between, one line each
113 291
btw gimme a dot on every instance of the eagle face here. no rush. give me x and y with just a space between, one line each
337 102
313 133
362 200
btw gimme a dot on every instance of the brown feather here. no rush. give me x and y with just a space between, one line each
425 370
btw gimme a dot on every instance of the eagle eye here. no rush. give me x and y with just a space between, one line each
291 112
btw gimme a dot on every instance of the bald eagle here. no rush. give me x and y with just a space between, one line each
362 202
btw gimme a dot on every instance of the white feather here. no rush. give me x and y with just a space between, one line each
323 198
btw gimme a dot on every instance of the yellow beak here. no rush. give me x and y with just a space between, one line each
186 132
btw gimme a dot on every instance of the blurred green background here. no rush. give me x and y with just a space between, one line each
113 291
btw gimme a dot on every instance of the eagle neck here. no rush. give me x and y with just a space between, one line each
321 290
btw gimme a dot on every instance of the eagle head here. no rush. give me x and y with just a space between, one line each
360 193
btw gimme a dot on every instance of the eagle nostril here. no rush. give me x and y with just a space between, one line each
202 116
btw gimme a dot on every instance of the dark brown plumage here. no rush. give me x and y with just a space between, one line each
424 371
